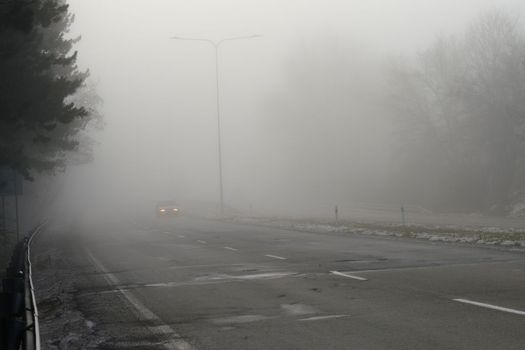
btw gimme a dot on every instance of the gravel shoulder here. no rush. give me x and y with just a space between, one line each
56 276
78 309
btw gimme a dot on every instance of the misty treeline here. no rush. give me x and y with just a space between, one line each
459 119
45 103
444 129
325 122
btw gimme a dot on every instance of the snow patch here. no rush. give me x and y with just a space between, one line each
469 235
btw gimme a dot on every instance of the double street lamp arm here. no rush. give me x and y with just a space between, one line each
216 45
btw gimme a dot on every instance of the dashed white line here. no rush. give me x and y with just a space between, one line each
275 257
337 273
181 236
202 242
489 306
319 318
174 341
230 248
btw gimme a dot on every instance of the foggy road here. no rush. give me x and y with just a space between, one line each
326 135
200 284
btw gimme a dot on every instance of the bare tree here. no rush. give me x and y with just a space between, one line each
462 104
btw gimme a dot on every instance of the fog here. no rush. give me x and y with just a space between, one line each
304 122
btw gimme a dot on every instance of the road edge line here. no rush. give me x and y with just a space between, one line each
164 329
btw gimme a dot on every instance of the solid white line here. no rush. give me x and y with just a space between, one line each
319 318
337 273
162 330
230 248
275 257
408 268
489 306
202 242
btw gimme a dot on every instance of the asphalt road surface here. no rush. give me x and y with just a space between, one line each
200 284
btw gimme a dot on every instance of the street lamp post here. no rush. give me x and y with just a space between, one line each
216 45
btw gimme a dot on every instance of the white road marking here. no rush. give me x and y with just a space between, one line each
268 275
489 306
275 257
174 340
240 319
230 248
181 236
319 318
177 267
337 273
257 276
166 232
202 242
218 279
298 309
409 268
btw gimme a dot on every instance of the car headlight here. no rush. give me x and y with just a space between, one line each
163 210
175 209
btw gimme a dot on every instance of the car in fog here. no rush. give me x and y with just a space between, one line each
167 209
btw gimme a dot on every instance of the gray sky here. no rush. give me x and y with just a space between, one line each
160 138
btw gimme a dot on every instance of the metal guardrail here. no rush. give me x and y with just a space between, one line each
19 328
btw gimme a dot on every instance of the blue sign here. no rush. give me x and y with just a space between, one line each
10 182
